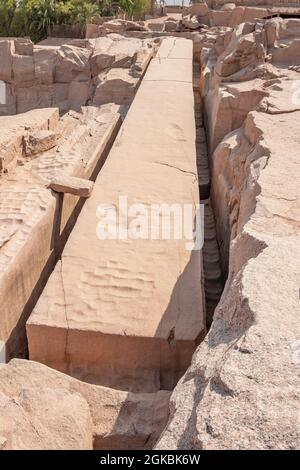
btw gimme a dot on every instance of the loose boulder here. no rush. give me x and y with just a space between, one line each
190 22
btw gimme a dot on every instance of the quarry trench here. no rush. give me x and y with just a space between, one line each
167 357
136 344
211 284
212 272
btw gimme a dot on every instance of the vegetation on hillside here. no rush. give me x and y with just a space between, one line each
35 17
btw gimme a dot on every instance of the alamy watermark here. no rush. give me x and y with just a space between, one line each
163 221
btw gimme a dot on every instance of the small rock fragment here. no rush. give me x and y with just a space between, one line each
71 185
39 142
190 22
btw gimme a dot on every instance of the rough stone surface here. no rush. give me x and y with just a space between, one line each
198 9
44 419
235 16
23 69
242 388
228 7
39 142
119 26
243 384
6 52
68 414
117 85
63 73
190 22
72 64
195 17
170 25
242 51
71 185
24 134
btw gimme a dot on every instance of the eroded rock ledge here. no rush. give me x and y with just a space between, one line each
242 389
37 403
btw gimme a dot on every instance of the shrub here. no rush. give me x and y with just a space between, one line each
35 17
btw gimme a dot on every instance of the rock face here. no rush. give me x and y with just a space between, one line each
235 16
190 22
243 385
240 81
19 136
198 9
115 51
242 388
117 85
39 142
194 17
228 7
118 26
65 73
72 63
170 25
245 48
124 309
44 419
67 414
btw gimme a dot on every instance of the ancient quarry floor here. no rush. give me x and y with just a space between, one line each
140 343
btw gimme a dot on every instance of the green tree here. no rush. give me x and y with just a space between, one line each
84 11
135 8
7 12
40 16
63 12
35 17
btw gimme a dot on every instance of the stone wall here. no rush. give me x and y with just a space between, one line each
70 73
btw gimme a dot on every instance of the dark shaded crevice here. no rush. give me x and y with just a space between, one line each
211 263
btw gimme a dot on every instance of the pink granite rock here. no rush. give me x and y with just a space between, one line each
72 64
6 54
71 185
68 414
